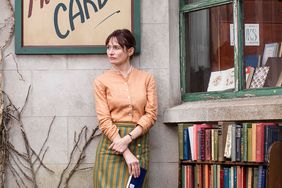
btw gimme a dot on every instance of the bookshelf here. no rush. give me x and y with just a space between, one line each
211 171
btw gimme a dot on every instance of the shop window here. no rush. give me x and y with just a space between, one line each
220 59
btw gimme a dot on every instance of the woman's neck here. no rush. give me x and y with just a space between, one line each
123 69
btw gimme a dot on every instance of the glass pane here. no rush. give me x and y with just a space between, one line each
209 52
192 1
263 37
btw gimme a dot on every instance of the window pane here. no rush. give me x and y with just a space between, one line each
263 37
208 48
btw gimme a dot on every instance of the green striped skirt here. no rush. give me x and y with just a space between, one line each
110 169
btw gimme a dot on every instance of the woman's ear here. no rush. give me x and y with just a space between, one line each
130 51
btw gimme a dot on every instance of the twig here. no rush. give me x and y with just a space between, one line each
81 156
46 139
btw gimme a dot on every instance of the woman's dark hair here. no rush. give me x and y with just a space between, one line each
124 38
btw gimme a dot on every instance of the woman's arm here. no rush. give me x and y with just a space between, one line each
151 109
106 125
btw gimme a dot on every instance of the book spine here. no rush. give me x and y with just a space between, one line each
208 144
238 146
261 177
191 139
260 142
220 143
250 143
202 144
226 177
245 142
180 141
185 144
227 150
233 143
216 144
254 142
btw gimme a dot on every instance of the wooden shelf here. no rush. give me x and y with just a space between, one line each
231 163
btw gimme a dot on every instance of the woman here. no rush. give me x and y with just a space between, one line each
126 107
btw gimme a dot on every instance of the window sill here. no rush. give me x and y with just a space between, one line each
239 109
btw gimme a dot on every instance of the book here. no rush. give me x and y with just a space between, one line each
227 149
136 182
186 145
252 60
275 70
222 134
270 50
249 76
280 50
197 139
221 80
233 142
254 143
238 138
180 140
272 134
260 140
259 77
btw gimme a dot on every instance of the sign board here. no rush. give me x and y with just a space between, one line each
251 35
72 26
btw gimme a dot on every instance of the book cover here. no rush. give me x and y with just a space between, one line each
249 177
252 60
249 76
249 142
275 70
208 144
215 132
260 137
222 134
259 77
227 149
186 145
183 179
191 139
238 138
180 140
245 140
226 177
254 137
136 182
272 134
233 142
270 50
255 176
196 139
221 80
261 177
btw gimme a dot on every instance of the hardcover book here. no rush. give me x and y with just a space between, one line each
136 182
270 50
275 70
259 77
221 80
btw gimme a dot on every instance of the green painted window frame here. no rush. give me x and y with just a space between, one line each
20 49
239 92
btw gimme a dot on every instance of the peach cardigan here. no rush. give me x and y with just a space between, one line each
130 99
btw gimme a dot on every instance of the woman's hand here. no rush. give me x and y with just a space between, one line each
119 145
132 163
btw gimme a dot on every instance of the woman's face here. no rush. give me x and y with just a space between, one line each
116 54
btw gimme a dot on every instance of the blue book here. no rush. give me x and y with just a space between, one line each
186 144
252 60
136 182
226 177
261 177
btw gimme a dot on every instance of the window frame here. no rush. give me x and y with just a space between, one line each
238 54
